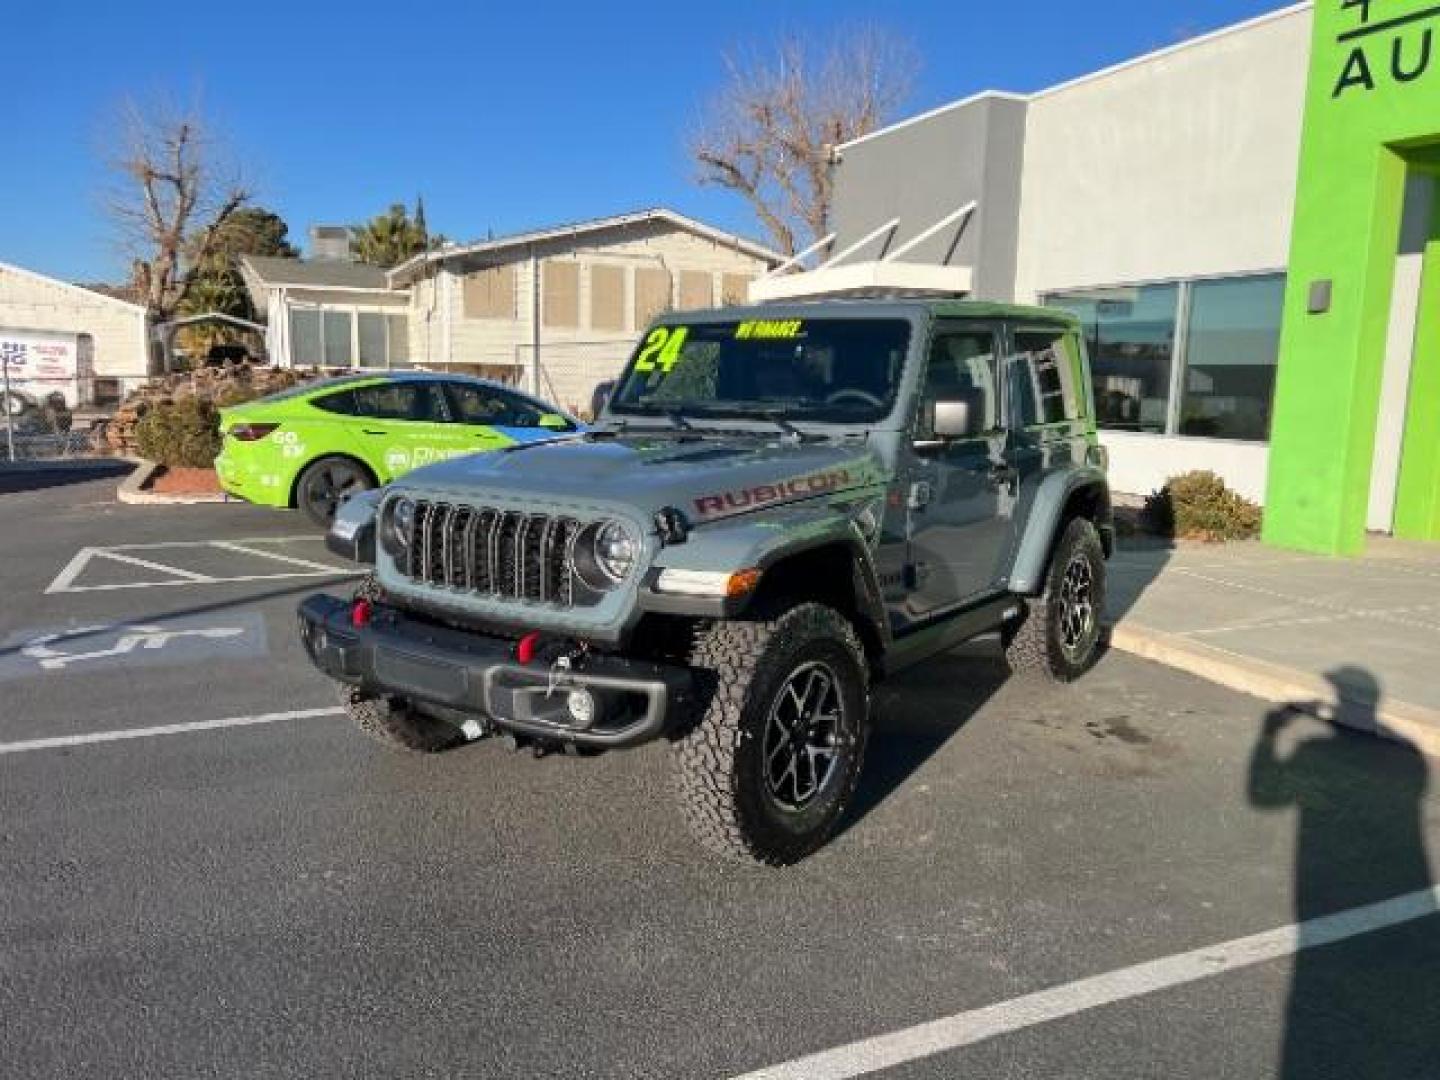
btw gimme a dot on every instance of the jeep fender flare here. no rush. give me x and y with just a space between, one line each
757 542
1047 516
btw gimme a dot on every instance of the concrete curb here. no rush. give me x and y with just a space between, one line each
131 489
1397 720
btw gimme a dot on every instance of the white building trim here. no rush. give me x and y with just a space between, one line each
89 294
569 232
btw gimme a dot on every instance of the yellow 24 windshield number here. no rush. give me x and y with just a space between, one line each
662 348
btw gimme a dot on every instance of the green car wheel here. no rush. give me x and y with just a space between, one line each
328 482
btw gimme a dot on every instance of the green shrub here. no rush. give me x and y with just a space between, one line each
1198 506
181 434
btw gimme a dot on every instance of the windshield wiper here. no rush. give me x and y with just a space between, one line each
677 417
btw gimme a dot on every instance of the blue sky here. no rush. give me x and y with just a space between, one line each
504 116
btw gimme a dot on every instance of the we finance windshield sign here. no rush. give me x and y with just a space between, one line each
1385 43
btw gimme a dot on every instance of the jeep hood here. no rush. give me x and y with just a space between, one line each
706 478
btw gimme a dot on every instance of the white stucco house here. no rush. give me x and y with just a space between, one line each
555 309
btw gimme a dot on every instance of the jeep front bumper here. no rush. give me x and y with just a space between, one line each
479 674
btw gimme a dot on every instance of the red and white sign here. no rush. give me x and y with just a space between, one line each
40 363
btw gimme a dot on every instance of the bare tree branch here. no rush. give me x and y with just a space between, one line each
173 193
769 133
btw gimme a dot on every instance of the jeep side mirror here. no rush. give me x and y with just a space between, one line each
958 418
554 421
949 419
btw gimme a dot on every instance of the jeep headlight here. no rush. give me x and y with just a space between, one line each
606 555
397 526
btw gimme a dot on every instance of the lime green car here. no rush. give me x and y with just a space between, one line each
314 445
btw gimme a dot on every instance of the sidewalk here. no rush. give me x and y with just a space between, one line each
1357 637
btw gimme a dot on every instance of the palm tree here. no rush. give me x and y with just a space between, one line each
392 237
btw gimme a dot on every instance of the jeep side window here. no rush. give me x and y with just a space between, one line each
1046 378
961 367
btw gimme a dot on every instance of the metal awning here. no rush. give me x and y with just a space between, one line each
839 276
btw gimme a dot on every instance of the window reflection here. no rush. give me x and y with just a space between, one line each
1231 351
1131 335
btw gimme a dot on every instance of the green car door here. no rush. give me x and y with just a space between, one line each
399 426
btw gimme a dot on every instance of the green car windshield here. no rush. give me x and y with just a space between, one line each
833 369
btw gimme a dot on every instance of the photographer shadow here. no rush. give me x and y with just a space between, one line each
1368 1006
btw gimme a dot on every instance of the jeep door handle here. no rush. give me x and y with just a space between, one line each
371 431
1001 475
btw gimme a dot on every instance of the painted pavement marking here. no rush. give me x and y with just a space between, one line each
977 1025
179 639
69 578
122 734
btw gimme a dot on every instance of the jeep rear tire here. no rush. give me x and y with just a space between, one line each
768 770
1058 633
397 725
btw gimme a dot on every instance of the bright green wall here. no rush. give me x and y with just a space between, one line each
1373 106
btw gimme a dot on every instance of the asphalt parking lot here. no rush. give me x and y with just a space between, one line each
206 873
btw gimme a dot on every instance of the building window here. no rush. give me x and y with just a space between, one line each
338 346
652 294
1186 358
1131 333
561 305
696 290
607 298
489 293
735 288
305 350
398 342
1232 346
370 327
345 337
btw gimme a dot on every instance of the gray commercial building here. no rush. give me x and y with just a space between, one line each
1154 199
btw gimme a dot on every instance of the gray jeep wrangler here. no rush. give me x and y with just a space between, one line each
779 507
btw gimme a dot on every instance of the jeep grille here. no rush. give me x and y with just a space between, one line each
503 554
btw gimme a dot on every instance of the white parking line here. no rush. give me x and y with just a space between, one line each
967 1028
226 545
59 741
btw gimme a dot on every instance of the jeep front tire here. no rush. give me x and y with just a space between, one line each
767 771
1058 633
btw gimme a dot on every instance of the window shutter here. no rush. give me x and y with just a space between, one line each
489 293
561 282
607 298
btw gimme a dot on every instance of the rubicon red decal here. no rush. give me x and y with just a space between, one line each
749 498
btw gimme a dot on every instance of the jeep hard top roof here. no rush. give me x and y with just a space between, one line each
880 307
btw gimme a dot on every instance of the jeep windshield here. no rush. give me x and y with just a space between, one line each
832 370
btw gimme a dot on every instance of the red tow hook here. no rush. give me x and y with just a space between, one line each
527 647
360 612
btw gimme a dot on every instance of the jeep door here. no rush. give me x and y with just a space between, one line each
1049 402
960 496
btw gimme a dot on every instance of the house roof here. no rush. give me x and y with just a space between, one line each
584 228
89 294
272 270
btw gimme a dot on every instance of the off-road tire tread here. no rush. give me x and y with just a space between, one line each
397 727
1030 647
730 654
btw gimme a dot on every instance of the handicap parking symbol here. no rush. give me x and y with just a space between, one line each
179 640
